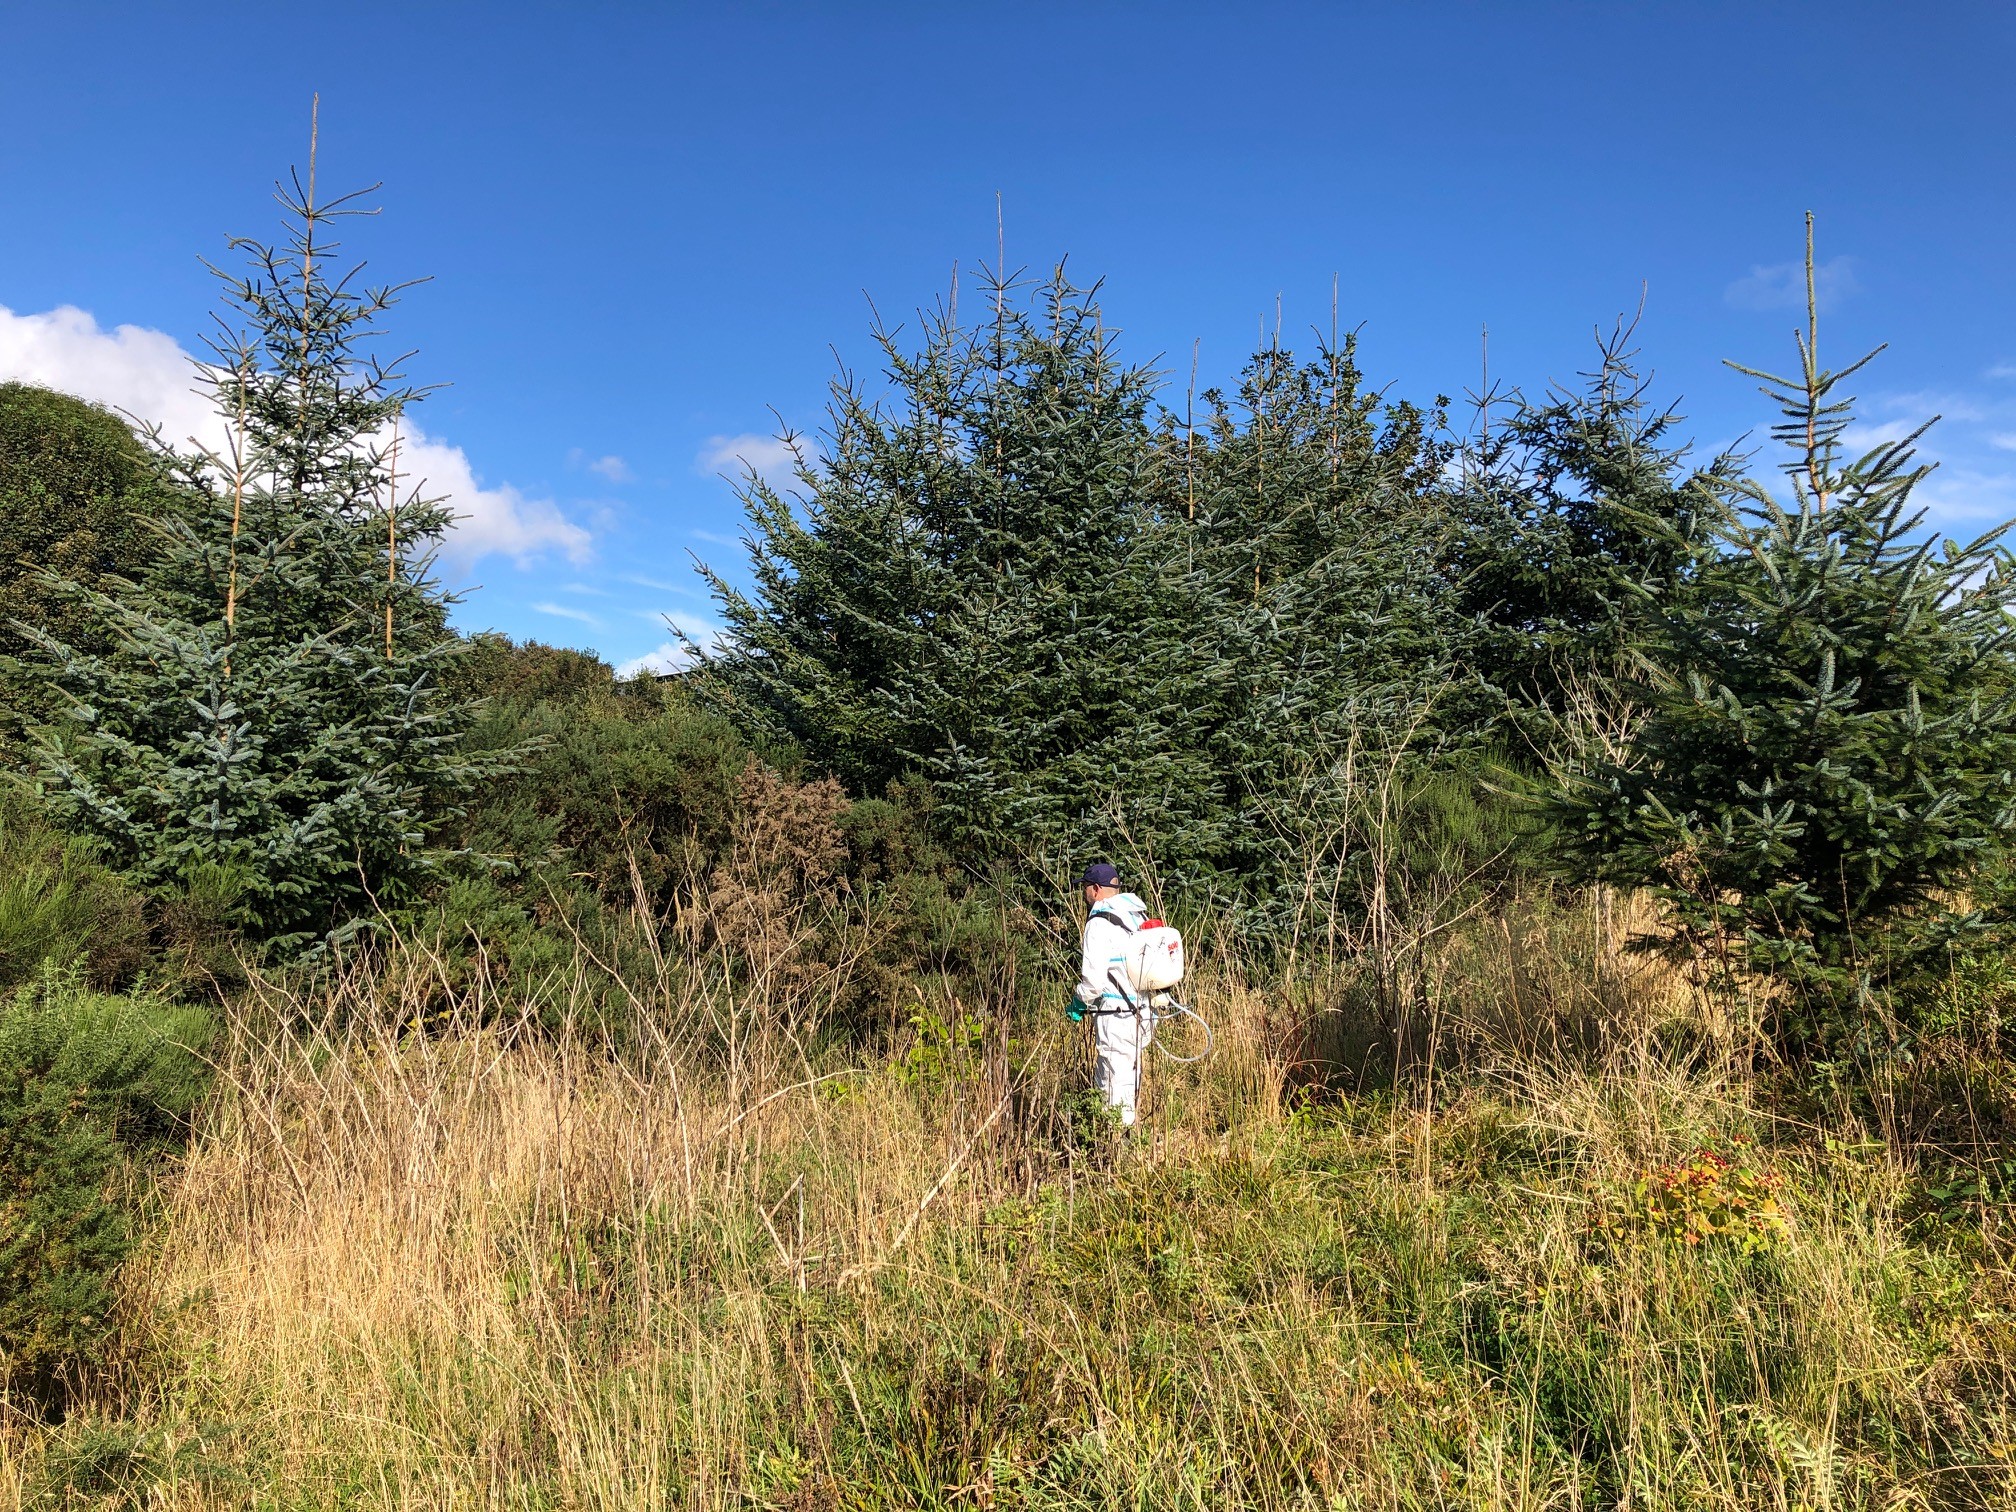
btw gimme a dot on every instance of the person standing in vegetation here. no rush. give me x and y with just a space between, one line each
1121 1024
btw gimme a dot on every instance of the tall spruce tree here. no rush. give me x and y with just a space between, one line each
1088 632
1313 621
1827 754
1576 513
958 589
258 713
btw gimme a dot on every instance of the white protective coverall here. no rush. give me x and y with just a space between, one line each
1121 1029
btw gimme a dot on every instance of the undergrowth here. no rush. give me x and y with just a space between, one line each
472 1262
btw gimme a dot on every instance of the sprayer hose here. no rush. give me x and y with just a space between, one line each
1177 1009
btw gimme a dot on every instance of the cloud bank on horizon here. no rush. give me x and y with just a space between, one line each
148 375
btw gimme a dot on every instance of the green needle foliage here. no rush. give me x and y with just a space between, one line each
76 490
1576 515
1310 638
265 723
963 589
86 1084
1828 754
1091 631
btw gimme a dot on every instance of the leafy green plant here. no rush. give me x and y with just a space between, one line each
59 903
1966 1192
77 490
1719 1194
941 1043
88 1084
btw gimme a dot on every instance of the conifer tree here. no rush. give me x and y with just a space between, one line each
1576 512
958 590
1091 634
265 720
1315 613
1826 757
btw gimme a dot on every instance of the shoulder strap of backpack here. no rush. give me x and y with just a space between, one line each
1107 913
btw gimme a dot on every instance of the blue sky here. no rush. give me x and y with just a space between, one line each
647 226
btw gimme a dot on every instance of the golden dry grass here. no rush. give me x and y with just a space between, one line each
479 1266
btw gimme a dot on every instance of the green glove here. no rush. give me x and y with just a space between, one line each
1076 1012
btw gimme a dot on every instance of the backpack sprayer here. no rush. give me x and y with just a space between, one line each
1154 968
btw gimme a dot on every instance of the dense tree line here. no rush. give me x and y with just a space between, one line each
1264 649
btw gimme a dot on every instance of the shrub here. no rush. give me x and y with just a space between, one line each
88 1083
76 491
60 904
612 774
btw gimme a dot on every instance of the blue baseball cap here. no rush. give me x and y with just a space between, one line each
1100 874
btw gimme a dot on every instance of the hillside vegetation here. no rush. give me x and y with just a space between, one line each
436 1073
1587 1265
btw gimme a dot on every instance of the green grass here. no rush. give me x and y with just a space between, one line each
437 1271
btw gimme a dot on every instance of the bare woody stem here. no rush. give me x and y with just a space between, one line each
237 518
308 257
1812 376
392 539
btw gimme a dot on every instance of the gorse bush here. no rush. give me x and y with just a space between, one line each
88 1084
77 493
61 905
618 785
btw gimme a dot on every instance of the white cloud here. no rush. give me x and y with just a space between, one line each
1967 496
714 538
2003 440
1782 286
130 368
767 456
659 584
489 521
1858 439
148 375
611 467
676 655
562 611
669 657
2002 370
1929 402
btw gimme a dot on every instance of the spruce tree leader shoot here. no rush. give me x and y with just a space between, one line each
268 725
1828 754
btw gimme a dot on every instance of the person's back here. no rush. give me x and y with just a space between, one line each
1122 1025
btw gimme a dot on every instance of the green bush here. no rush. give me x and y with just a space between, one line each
76 492
611 773
59 903
621 795
89 1086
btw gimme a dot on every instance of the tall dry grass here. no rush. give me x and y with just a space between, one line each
460 1262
